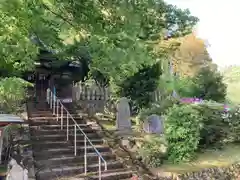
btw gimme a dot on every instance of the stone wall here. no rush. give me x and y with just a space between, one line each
218 173
22 161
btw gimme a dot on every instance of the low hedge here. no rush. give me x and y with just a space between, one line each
193 127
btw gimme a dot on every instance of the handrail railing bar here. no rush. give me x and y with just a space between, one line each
85 136
57 109
67 127
99 169
85 155
76 125
54 106
61 117
82 132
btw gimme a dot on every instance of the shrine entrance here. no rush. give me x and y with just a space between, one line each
41 80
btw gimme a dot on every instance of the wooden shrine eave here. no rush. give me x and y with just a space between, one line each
52 65
48 59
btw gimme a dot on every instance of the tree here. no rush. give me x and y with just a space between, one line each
186 87
12 93
118 35
141 85
210 85
191 56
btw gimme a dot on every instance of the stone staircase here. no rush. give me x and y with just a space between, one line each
54 155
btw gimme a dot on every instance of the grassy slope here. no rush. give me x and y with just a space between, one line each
232 79
214 158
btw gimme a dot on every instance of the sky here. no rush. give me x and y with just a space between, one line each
219 25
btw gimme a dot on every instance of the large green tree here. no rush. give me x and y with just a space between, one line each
119 35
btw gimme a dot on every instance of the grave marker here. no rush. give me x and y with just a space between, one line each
123 115
154 124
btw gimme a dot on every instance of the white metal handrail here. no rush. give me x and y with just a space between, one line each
55 103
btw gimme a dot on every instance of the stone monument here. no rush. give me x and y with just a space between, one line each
153 124
123 115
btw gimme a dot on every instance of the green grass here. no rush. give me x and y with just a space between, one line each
209 159
233 92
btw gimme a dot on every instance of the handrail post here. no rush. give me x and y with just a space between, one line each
99 168
61 116
48 95
85 155
51 100
54 100
57 108
54 105
75 140
105 163
67 127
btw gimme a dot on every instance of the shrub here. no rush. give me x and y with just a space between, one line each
233 120
153 151
183 126
214 129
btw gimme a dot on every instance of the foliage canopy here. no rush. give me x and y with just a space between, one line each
119 35
116 33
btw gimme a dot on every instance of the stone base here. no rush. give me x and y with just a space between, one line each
124 132
124 137
217 173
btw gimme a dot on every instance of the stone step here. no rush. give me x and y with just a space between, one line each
42 114
116 174
42 121
40 109
61 171
52 117
54 144
39 130
71 111
60 132
56 152
62 137
57 126
100 148
71 159
39 145
48 153
64 144
53 121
